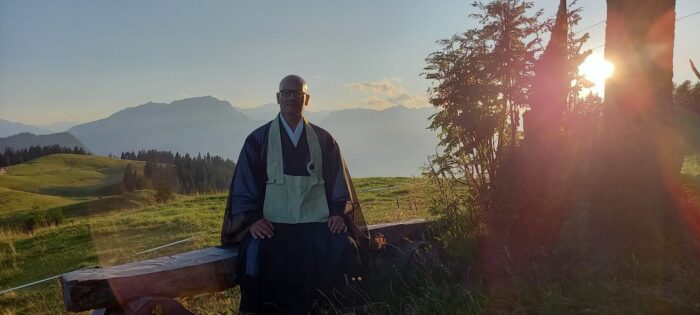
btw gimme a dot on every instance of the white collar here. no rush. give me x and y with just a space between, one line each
296 134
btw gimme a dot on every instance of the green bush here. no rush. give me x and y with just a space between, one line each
42 218
53 216
29 224
164 193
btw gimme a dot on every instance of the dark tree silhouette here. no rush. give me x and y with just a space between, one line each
12 156
642 154
695 70
168 172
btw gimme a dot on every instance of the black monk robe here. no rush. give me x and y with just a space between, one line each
281 274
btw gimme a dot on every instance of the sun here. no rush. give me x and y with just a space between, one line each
596 69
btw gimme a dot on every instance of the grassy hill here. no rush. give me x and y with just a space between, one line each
76 227
12 201
104 239
114 229
16 219
66 175
67 185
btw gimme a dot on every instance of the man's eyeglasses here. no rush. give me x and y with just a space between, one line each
288 93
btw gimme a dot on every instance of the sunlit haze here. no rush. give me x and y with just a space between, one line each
80 60
596 69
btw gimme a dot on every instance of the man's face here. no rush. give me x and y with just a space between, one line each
292 96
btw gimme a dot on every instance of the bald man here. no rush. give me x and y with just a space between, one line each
293 211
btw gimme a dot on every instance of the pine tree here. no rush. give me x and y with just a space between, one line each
149 169
128 179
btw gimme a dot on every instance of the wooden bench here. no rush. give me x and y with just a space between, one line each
129 288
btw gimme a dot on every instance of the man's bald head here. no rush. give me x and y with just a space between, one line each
292 97
294 82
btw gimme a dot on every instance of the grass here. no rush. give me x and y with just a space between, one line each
15 220
657 276
112 230
17 201
392 199
66 185
105 238
66 175
691 166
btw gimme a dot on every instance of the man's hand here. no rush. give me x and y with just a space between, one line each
337 224
261 229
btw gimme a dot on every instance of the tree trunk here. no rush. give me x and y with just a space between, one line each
639 42
641 150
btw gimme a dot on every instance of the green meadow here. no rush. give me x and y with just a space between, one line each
66 175
77 228
13 201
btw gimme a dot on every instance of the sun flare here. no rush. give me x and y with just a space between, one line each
596 69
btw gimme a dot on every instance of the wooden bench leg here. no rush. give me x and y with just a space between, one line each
148 305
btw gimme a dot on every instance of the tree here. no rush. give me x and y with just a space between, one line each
128 180
686 97
12 156
686 101
163 192
483 77
695 70
639 42
150 168
642 152
558 83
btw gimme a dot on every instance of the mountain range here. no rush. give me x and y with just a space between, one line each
390 142
202 124
10 128
267 111
25 140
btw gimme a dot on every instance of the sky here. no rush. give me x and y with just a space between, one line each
78 61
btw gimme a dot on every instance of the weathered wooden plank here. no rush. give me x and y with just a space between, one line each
206 270
395 232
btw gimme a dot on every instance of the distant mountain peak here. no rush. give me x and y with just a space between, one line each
198 99
8 128
374 138
148 107
26 139
202 98
201 101
192 104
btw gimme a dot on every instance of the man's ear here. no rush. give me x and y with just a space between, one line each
308 97
278 97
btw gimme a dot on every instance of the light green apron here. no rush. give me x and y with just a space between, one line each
294 199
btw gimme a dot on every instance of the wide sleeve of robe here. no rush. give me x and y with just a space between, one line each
246 194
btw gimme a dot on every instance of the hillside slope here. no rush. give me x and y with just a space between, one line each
15 200
25 140
66 175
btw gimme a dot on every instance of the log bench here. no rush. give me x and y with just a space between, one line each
134 288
